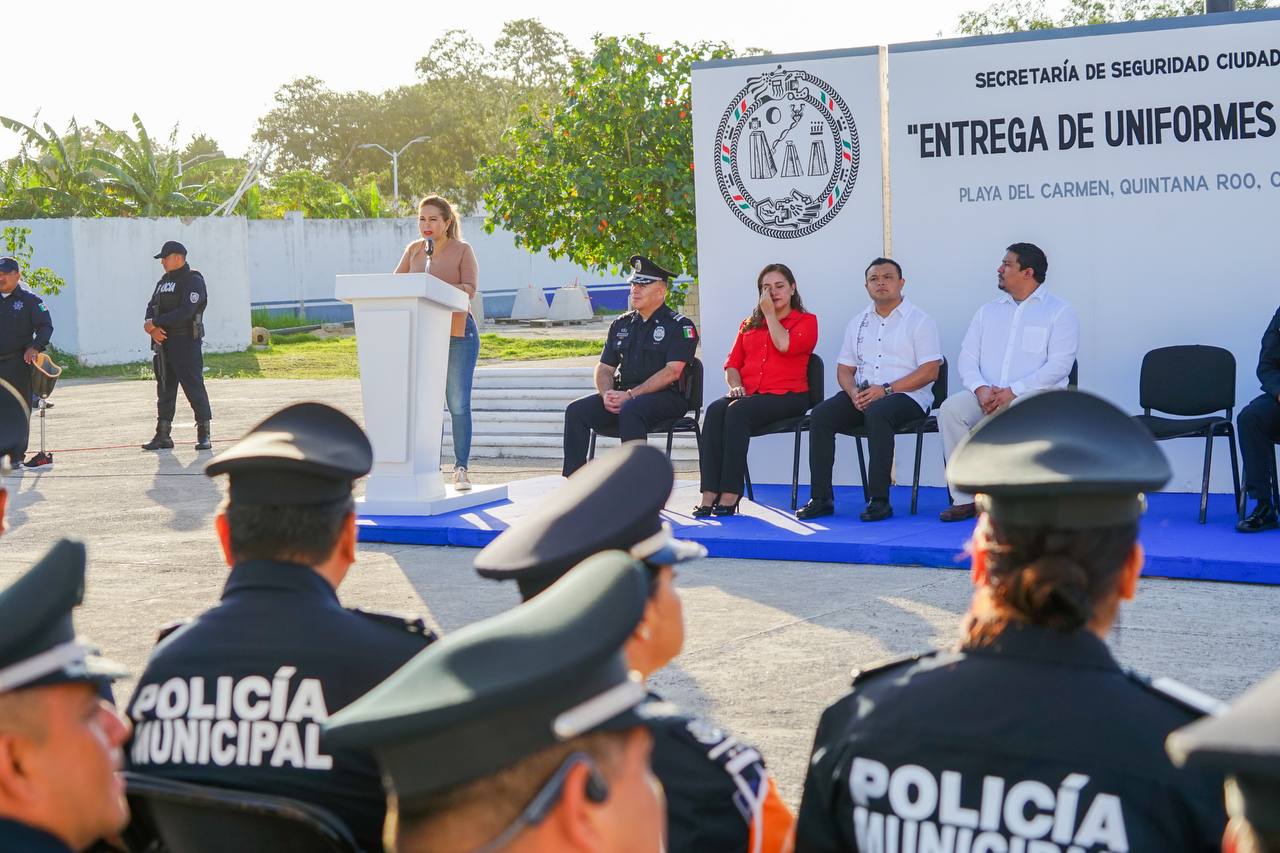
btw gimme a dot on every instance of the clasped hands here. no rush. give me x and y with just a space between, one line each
613 400
157 334
864 398
992 399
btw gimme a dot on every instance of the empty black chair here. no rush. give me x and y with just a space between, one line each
1192 382
918 428
691 383
815 373
178 817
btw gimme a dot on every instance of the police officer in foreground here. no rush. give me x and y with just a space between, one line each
1029 735
175 322
720 796
251 681
1243 744
25 329
523 732
60 789
638 379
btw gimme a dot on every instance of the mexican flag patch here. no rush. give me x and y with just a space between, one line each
690 333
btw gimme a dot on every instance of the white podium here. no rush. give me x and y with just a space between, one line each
402 336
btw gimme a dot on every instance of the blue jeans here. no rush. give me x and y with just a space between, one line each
463 353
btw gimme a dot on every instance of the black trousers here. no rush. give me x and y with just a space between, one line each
633 423
838 414
1258 426
184 365
17 373
726 434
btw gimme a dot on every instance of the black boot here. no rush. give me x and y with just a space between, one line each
161 440
202 436
1262 518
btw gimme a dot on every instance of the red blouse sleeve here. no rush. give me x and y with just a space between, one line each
737 356
804 335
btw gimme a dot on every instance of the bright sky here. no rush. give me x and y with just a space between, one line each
213 67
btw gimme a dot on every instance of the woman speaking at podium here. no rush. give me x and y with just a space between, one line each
442 252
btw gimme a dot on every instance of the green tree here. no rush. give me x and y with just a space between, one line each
53 174
609 171
40 279
1011 16
142 177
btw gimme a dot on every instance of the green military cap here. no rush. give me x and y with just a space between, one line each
306 453
1060 458
1243 743
15 420
499 690
612 502
38 644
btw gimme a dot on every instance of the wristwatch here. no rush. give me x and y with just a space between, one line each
888 388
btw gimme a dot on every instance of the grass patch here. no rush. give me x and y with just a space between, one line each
267 320
310 357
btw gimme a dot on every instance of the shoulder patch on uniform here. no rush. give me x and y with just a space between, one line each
1180 694
411 624
169 629
862 673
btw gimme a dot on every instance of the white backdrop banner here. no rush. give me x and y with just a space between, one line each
788 169
1143 159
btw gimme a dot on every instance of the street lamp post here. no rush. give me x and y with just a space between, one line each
395 162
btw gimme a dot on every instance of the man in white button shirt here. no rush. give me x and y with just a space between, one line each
886 368
1024 341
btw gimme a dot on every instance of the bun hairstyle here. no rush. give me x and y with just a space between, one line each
454 229
1048 576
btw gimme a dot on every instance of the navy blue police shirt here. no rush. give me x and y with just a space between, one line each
21 837
1038 743
179 297
1269 359
639 348
237 698
24 322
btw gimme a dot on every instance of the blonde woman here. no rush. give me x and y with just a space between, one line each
441 250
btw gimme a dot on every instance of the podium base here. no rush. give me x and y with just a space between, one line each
451 501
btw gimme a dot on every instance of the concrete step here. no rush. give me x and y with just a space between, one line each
533 377
524 399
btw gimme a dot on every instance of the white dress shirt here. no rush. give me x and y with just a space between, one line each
885 349
1026 346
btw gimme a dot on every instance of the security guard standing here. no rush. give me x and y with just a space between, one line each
237 697
720 796
25 329
524 731
1029 736
638 380
175 322
59 740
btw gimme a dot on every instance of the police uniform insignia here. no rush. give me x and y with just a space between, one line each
704 732
1180 694
624 332
411 624
637 265
659 333
195 297
17 305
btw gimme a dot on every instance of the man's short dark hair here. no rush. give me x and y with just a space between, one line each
1031 256
878 261
298 533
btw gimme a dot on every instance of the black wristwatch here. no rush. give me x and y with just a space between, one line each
888 388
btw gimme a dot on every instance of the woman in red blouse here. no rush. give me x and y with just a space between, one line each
767 374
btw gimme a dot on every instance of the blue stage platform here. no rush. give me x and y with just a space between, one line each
1176 545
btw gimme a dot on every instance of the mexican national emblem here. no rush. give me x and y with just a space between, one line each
787 153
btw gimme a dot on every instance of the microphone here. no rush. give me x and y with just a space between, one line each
431 247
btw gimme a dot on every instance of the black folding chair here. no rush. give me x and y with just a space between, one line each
1192 382
691 383
815 373
918 428
178 817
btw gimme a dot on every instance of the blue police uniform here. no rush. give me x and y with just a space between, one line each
177 305
21 837
24 322
238 697
1259 429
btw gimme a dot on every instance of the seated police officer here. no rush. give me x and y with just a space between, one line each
1244 745
1029 736
638 377
60 741
237 697
174 322
523 732
25 329
719 795
1259 426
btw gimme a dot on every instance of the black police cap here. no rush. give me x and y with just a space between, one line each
303 454
1059 458
499 690
171 247
1243 743
612 502
38 645
8 264
645 271
15 420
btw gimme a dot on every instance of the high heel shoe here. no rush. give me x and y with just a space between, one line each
719 510
701 511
